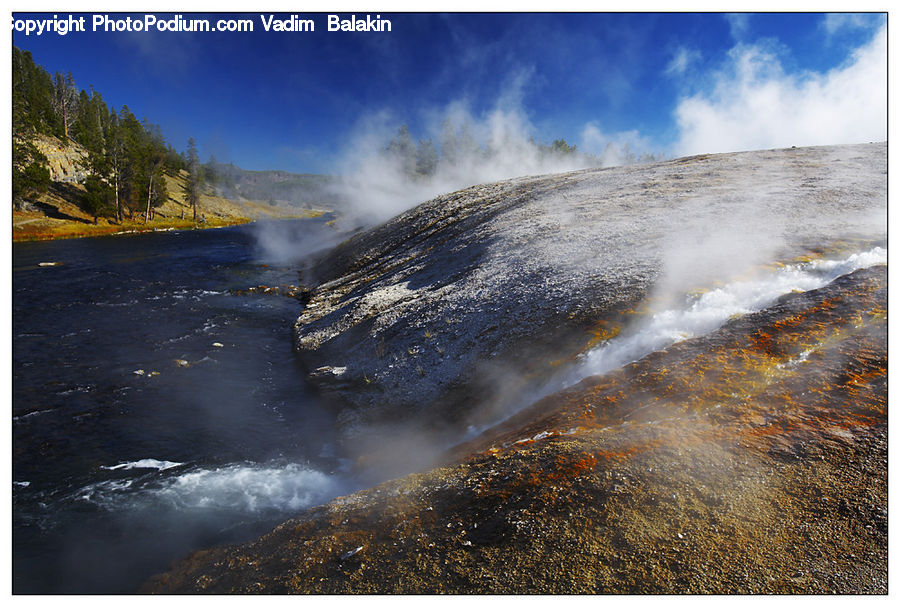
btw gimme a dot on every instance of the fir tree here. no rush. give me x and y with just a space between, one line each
65 101
426 158
195 177
402 151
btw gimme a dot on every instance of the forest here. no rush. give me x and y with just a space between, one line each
124 158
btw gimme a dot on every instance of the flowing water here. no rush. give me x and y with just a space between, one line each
694 315
154 409
702 313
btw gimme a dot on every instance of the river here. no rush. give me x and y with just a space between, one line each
158 407
155 409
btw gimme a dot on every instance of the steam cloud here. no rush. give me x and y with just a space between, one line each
754 104
495 146
750 102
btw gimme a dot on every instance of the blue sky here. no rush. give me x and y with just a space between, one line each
665 83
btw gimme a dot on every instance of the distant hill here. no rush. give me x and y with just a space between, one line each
304 190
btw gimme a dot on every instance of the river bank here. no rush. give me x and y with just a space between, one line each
768 476
32 226
57 214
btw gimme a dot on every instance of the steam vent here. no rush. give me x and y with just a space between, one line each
667 378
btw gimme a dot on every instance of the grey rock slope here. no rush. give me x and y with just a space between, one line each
448 314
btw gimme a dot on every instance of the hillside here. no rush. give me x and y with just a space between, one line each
58 214
655 379
635 482
470 291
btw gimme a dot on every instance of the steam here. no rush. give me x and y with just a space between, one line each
754 104
619 148
699 314
705 313
286 242
497 145
750 102
147 512
695 315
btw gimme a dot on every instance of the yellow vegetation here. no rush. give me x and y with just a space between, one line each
174 214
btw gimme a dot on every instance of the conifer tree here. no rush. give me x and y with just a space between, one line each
99 199
154 156
195 177
30 173
426 158
65 100
31 87
115 155
402 151
33 96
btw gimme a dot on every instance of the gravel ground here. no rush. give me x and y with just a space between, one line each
750 460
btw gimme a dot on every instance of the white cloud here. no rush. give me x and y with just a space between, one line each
838 21
738 22
683 58
754 104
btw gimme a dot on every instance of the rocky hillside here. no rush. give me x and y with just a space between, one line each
496 342
450 313
731 463
63 160
57 213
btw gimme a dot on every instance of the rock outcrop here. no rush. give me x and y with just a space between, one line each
751 460
448 314
64 161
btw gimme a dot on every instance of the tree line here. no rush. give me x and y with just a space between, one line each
125 159
457 147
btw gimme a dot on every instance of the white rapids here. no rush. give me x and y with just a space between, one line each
248 488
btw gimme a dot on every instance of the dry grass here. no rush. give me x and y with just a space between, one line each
215 212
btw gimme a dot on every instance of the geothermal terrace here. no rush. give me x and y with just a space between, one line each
662 378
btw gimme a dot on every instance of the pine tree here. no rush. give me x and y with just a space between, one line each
426 158
131 168
91 121
154 157
65 101
99 198
93 130
30 112
30 173
402 151
115 156
195 177
33 95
